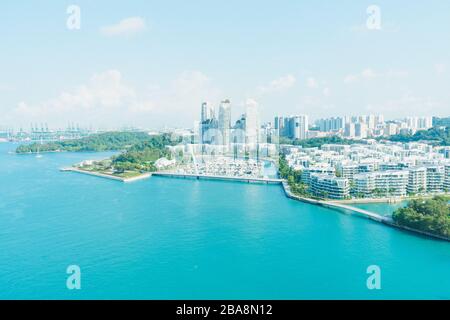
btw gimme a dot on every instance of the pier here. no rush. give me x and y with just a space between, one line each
367 214
222 178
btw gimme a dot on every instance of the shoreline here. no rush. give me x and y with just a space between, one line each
364 213
221 178
40 152
107 176
337 205
387 199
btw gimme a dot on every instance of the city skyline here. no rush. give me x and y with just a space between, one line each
147 65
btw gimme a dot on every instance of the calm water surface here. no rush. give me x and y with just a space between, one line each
176 239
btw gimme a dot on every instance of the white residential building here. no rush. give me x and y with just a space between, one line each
347 169
349 130
364 184
299 127
319 169
417 180
224 123
329 187
447 178
392 183
435 178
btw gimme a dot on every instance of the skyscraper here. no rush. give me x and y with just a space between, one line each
299 127
349 130
251 123
207 112
224 124
361 130
279 125
207 122
371 121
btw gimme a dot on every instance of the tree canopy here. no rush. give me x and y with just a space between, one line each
109 141
437 135
432 215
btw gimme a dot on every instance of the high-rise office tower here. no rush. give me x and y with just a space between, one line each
299 127
379 119
251 123
361 130
349 130
390 129
207 112
331 124
412 122
224 124
371 121
279 126
207 123
424 123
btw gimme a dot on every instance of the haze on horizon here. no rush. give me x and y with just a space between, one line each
152 64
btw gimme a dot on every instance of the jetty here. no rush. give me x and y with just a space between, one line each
222 178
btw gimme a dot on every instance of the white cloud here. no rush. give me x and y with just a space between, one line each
104 96
107 98
277 85
440 68
351 78
312 83
420 106
369 73
126 26
396 74
190 81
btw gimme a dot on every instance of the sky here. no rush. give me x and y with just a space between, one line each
152 63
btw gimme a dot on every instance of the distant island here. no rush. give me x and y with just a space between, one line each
431 215
140 151
110 141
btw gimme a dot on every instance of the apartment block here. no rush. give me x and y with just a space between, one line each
417 180
330 187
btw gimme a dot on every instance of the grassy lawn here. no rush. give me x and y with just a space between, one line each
126 174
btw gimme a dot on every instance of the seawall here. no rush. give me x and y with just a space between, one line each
367 214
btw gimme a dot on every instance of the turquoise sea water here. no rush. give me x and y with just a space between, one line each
181 239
